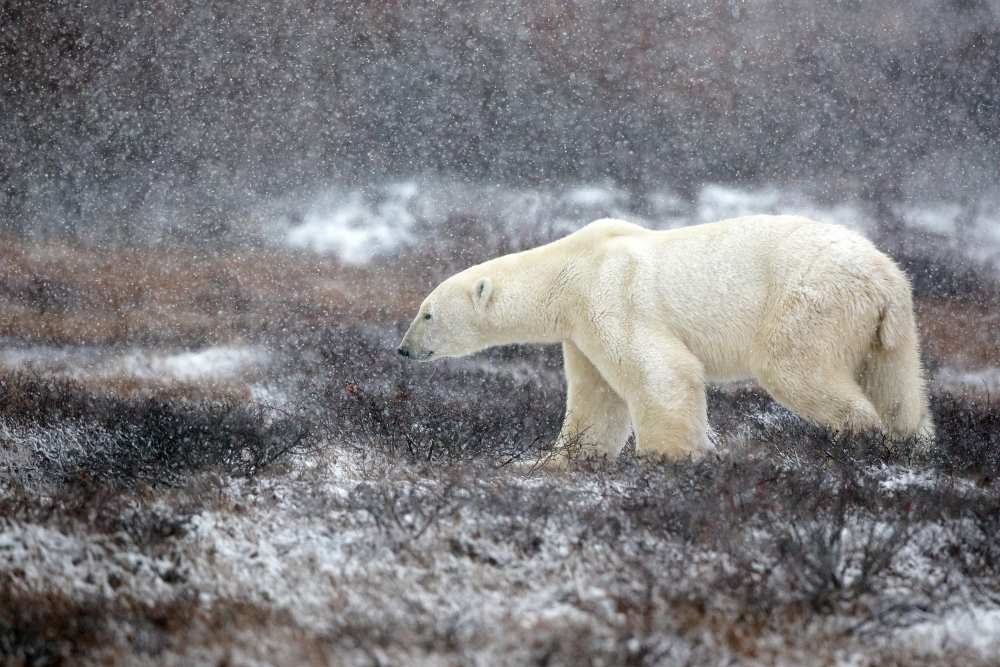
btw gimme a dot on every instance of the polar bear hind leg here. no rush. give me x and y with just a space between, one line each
845 344
822 326
827 397
596 417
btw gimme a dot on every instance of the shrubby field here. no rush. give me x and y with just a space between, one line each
213 454
217 218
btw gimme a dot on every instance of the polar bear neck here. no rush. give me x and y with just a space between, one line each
533 297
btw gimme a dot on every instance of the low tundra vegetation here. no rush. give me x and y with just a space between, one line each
434 532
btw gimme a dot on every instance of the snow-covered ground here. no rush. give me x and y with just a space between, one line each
320 548
975 629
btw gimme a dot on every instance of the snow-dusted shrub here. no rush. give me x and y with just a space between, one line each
68 433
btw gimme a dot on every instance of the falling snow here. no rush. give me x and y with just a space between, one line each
218 217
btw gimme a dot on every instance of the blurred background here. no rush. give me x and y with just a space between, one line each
340 126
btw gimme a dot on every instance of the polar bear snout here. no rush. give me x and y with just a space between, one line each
411 350
423 355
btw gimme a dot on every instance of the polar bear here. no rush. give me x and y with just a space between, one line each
813 312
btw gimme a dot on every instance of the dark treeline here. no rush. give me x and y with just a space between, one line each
113 111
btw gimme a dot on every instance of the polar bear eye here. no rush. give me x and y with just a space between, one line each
427 316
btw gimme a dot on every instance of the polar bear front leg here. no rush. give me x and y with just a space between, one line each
667 403
596 416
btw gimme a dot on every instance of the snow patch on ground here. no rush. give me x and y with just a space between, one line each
985 379
898 479
42 558
358 227
519 370
975 234
195 365
219 363
593 196
717 202
938 217
975 629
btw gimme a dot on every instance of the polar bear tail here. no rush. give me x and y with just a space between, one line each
895 325
893 377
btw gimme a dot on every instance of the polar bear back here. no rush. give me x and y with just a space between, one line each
723 285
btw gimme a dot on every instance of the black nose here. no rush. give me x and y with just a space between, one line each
403 351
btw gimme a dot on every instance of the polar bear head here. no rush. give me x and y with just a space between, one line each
453 320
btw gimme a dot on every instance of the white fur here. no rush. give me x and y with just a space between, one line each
813 312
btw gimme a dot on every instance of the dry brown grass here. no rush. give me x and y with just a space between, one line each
66 294
963 335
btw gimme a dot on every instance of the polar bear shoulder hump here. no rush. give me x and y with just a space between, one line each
607 228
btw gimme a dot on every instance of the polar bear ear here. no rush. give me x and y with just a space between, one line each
481 293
